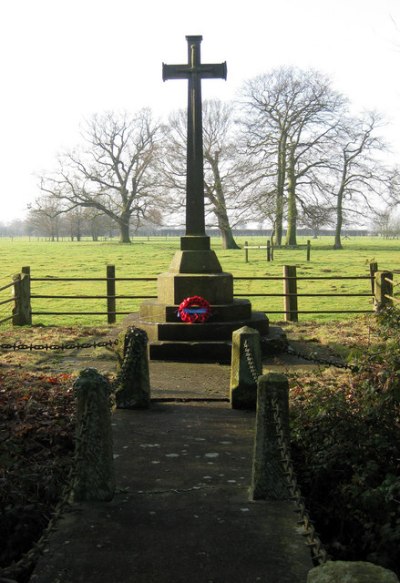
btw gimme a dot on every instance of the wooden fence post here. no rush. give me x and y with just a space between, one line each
22 313
268 250
373 268
290 293
111 305
246 252
383 290
308 250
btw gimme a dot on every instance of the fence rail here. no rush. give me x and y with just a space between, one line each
381 294
270 247
6 301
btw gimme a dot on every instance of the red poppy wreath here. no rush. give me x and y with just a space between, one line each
194 309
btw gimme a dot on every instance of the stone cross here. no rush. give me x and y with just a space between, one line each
194 71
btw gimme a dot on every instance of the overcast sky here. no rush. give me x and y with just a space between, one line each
63 60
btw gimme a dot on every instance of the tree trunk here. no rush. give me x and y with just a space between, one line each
123 225
217 197
292 206
279 219
339 221
280 187
228 241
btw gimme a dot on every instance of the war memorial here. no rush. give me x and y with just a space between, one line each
195 273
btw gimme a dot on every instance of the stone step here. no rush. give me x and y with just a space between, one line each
205 342
208 331
274 342
154 311
203 332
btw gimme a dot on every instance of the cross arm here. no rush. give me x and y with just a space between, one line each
175 72
218 71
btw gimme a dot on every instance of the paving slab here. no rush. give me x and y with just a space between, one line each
182 511
200 380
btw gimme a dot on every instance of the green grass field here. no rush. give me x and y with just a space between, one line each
148 257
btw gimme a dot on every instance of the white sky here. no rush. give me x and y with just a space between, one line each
63 60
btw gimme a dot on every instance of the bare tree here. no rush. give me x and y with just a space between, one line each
359 175
113 172
289 116
386 224
316 216
44 217
76 221
225 177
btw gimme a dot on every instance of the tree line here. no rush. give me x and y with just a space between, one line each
287 153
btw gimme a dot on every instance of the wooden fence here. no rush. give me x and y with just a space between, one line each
380 291
270 249
11 299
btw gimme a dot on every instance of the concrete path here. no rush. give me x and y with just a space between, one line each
193 380
182 512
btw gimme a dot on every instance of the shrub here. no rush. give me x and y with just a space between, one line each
346 449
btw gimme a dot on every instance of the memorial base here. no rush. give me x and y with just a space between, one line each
172 339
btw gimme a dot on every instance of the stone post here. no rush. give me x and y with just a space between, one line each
246 367
93 478
351 572
134 383
383 288
268 479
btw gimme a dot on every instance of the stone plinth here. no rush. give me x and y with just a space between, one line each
216 288
195 271
154 311
207 331
203 261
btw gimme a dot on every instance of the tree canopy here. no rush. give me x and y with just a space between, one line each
113 172
287 151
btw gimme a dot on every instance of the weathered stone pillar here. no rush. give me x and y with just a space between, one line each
246 367
133 391
93 477
268 479
350 572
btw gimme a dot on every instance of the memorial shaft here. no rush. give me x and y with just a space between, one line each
194 71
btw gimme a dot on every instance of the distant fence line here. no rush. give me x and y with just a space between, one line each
169 232
270 249
381 292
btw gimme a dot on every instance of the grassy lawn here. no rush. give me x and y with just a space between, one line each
345 425
147 257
